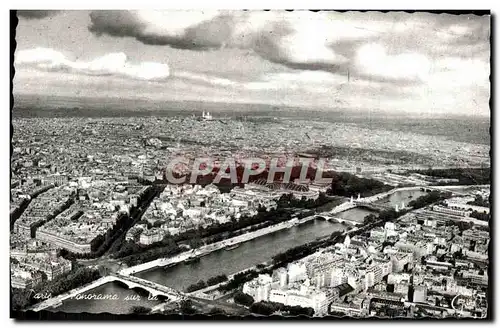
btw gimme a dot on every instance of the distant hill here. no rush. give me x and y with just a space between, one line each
458 128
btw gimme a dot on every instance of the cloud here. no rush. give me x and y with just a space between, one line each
36 14
452 72
372 61
160 28
395 60
310 81
271 35
405 44
206 79
114 64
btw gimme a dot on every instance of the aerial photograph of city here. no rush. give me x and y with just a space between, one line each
177 164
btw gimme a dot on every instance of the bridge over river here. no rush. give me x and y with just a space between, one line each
371 203
132 282
377 206
328 217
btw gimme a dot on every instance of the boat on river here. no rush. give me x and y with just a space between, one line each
192 260
232 247
170 265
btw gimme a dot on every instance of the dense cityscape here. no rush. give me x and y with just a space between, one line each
95 211
273 187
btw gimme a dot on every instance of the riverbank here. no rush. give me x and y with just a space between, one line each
245 257
206 249
321 244
441 188
209 292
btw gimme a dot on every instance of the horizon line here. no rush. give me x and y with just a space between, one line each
279 107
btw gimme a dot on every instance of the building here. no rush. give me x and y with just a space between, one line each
55 179
281 275
297 272
397 278
378 234
347 309
478 235
317 300
482 257
49 264
476 278
149 237
278 296
61 241
461 206
337 276
402 288
420 294
399 260
452 211
22 279
437 265
263 292
259 288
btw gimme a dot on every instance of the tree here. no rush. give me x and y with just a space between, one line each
243 299
217 279
298 310
370 218
158 223
216 311
140 310
347 185
21 298
335 234
463 225
479 201
186 307
195 242
44 276
262 308
197 286
480 216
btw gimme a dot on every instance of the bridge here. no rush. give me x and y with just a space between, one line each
342 208
373 206
328 217
363 202
153 288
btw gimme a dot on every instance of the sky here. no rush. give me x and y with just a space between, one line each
355 61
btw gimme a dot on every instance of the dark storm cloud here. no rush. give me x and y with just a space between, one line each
223 30
319 42
203 36
36 14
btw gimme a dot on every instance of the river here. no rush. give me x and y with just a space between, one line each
245 256
405 196
126 300
227 262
